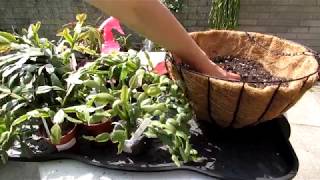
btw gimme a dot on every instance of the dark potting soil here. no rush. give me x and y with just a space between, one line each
249 71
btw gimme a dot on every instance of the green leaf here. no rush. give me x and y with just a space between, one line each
17 107
9 105
119 136
153 91
40 70
81 18
47 52
84 115
20 120
3 96
36 27
153 107
148 59
5 90
43 89
71 109
172 121
12 79
23 60
49 68
170 129
182 134
73 120
4 40
9 71
8 36
66 34
89 138
85 50
55 80
95 119
164 80
58 117
142 97
104 137
74 78
176 160
146 102
131 65
4 60
104 98
55 136
56 88
136 80
151 133
133 82
28 78
187 149
4 136
91 84
124 73
140 73
39 113
124 94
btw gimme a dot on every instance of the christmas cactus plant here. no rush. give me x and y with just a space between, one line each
136 96
42 86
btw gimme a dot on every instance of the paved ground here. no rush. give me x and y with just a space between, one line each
305 137
304 118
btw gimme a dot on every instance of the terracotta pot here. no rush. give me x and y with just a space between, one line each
96 129
67 141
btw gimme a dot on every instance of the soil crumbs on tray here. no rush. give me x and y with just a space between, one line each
249 71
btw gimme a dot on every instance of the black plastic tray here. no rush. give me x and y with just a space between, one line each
260 152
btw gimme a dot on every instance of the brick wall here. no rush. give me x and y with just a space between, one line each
54 13
297 20
194 15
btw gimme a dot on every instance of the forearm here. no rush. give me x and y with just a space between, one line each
159 25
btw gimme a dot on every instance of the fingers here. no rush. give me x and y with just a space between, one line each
233 76
211 69
218 72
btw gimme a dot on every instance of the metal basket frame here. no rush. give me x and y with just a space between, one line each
251 39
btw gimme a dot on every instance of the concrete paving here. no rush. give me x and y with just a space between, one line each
304 119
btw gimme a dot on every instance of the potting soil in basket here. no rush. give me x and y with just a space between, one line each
250 71
288 70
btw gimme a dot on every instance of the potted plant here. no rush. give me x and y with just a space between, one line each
95 120
116 91
31 71
80 43
91 100
144 103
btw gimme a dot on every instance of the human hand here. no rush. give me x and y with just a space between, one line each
214 70
206 66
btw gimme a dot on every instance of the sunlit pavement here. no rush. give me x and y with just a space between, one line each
304 119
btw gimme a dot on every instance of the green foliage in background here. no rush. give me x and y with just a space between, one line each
224 14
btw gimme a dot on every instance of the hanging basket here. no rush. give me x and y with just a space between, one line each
237 104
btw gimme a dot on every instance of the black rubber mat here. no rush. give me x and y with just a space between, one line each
260 152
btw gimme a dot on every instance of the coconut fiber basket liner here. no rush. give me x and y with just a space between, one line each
236 104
